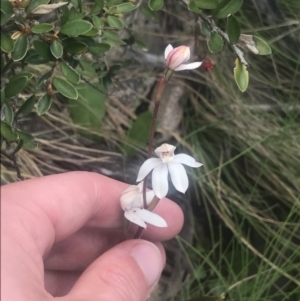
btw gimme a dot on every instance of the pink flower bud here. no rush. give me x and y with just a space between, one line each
176 57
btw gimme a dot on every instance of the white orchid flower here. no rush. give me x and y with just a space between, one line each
176 57
132 204
167 163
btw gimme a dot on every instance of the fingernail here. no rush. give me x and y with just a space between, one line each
148 257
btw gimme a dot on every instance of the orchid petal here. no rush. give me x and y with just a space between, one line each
160 183
146 168
178 176
151 218
168 50
133 217
189 66
187 160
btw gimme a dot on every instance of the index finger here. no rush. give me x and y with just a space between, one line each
53 207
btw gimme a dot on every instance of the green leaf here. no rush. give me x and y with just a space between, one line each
206 4
205 29
138 134
122 8
75 47
227 7
112 38
64 14
149 13
76 16
42 80
56 49
35 59
28 140
262 47
26 107
115 22
215 42
71 75
193 7
35 3
43 49
20 50
8 113
5 17
8 133
15 86
7 44
91 33
241 75
99 48
6 7
44 104
100 3
156 4
42 28
29 75
98 22
76 28
89 109
233 29
65 88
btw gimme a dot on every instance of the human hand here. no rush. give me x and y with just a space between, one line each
60 237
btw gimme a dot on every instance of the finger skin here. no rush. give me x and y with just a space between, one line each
116 275
59 283
62 204
41 212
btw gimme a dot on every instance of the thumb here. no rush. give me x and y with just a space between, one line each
127 272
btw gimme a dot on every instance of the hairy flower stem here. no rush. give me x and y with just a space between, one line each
159 91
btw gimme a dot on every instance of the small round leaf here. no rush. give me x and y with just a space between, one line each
241 75
193 7
206 4
156 4
65 88
28 140
71 75
44 104
262 47
233 29
122 8
20 50
76 28
8 113
8 133
56 49
35 3
227 7
35 59
15 86
29 75
99 48
98 22
75 48
215 42
7 44
114 22
42 28
26 107
43 49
